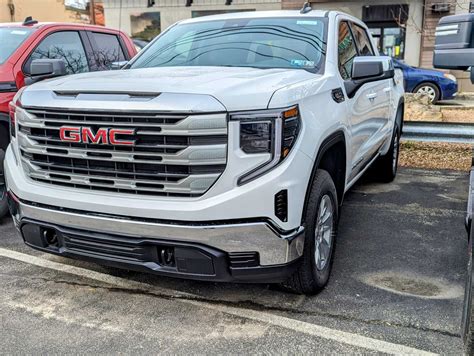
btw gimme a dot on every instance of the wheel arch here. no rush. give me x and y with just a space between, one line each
332 157
4 130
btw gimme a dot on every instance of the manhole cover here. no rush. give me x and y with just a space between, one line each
414 285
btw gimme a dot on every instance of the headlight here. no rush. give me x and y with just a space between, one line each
267 131
450 77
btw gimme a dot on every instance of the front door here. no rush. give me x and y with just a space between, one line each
369 108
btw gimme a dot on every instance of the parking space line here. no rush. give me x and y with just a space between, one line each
323 332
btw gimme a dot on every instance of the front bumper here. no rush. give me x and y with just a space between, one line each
246 251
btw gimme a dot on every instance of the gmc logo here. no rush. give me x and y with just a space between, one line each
103 135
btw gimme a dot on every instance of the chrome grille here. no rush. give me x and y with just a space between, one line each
173 155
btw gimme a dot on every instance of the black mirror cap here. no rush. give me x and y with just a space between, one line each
369 69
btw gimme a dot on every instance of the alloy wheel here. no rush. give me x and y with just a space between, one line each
324 232
428 91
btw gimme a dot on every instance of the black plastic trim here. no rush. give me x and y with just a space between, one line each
330 141
8 87
221 270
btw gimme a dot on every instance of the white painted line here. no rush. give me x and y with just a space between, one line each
323 332
339 336
86 273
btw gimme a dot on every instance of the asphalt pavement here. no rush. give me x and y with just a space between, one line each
396 287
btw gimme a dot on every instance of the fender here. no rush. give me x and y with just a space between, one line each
331 140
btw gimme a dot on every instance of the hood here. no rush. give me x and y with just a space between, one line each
236 88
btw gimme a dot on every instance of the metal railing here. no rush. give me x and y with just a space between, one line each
438 132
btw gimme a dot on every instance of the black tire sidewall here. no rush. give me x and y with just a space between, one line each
3 200
396 137
323 185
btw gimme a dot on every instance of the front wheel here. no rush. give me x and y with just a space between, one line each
320 223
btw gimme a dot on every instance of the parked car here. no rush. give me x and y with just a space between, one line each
436 84
83 48
222 153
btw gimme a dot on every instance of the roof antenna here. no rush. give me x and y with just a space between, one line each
29 21
306 8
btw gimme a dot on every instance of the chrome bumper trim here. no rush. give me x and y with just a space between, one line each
273 248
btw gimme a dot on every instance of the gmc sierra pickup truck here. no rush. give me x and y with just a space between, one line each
221 152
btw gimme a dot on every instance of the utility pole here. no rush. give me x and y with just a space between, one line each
92 12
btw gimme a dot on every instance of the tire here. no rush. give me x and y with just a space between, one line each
313 272
386 167
467 327
3 192
429 89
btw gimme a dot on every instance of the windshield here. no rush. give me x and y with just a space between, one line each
261 43
10 39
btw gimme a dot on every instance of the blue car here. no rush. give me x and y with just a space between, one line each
435 84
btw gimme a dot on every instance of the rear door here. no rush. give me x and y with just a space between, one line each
106 48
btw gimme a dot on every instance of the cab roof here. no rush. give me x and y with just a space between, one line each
53 24
257 15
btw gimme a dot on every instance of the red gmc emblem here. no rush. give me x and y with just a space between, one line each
105 136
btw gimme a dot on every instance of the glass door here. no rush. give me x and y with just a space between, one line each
389 39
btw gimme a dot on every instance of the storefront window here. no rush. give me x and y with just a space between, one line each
390 40
145 25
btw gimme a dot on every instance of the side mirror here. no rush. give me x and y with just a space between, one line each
368 69
44 69
118 65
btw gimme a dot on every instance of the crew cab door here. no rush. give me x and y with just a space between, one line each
370 106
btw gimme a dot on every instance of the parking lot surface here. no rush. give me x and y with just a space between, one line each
396 287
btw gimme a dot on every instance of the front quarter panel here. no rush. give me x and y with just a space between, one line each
321 115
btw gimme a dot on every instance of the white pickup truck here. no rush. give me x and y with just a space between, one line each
221 152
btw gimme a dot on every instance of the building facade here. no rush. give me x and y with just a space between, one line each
139 19
41 10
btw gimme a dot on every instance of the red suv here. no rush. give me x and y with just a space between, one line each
83 48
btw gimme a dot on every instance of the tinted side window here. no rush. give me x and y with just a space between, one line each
66 45
363 41
346 50
107 50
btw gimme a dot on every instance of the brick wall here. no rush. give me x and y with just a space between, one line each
429 25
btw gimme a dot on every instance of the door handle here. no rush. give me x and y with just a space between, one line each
371 96
387 90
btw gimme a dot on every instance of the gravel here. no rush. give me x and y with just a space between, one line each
436 155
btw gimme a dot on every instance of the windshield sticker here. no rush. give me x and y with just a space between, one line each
302 63
18 32
307 22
